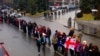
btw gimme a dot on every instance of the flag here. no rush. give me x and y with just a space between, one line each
70 43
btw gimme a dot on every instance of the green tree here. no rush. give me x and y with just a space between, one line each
97 6
31 6
85 6
22 4
42 5
39 5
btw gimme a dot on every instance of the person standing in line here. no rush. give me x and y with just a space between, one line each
59 13
83 49
55 13
54 42
45 15
71 33
69 22
5 17
48 34
51 13
29 28
17 23
24 26
77 46
36 33
64 36
80 35
90 49
43 40
62 12
38 43
72 48
34 25
21 23
96 51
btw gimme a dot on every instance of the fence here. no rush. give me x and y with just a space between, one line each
89 27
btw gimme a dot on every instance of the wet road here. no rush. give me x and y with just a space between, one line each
18 44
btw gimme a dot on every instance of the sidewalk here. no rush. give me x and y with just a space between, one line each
63 18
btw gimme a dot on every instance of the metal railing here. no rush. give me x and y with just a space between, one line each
90 22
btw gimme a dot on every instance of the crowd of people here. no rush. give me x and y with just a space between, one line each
30 28
49 15
61 41
73 43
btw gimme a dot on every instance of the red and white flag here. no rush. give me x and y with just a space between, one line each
70 43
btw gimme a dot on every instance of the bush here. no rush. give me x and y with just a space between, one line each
33 13
79 15
86 10
40 11
97 18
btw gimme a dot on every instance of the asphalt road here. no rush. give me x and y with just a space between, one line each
18 44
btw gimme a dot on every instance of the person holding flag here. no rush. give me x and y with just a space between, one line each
66 44
70 44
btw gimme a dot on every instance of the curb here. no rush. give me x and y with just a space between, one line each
59 53
55 51
34 16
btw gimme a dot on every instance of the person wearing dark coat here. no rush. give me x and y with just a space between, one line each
90 49
24 26
83 49
5 17
48 34
17 22
29 28
8 19
36 32
45 15
71 32
43 41
34 25
63 41
59 13
96 51
38 43
21 23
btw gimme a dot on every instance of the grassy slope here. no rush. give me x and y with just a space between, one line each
36 15
87 17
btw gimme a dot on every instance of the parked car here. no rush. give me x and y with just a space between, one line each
3 51
16 15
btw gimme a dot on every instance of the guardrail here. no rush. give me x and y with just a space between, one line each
89 27
89 22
